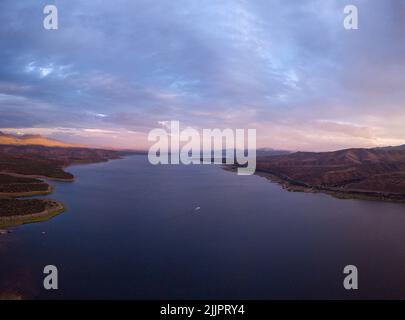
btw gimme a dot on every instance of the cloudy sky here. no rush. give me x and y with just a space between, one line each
116 69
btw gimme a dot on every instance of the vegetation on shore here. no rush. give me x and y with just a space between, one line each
356 173
21 171
18 186
16 212
289 185
335 192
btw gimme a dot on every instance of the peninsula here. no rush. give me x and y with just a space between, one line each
25 162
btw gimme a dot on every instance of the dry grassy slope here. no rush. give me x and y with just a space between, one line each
9 139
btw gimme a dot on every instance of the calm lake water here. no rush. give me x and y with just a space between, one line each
132 231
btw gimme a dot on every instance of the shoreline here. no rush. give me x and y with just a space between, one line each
53 208
19 175
334 192
27 194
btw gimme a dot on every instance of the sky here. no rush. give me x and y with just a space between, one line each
114 70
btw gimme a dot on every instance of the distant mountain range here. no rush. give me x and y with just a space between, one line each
401 147
271 152
11 139
371 173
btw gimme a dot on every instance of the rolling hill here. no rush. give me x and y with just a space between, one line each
20 140
377 172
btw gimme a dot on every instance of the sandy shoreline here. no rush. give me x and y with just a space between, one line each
27 194
53 208
18 175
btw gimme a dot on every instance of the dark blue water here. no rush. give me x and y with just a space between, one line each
131 231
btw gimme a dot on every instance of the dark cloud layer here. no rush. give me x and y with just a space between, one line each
287 68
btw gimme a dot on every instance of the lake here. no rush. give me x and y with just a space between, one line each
137 231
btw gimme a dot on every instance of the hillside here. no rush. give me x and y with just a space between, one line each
378 172
20 168
19 140
49 161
